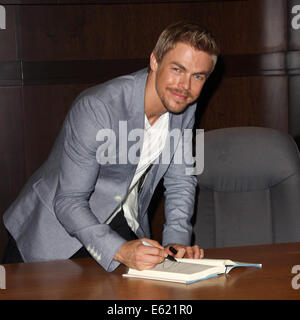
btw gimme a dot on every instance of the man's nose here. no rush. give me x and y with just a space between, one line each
185 82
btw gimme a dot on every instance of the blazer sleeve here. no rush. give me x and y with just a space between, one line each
180 188
77 177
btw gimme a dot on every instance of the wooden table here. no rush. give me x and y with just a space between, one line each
85 279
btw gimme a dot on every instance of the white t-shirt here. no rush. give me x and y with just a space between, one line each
153 144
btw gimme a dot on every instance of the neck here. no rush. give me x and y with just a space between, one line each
153 105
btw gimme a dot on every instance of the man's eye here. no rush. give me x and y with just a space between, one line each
199 77
176 69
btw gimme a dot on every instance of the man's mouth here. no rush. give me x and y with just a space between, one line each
179 94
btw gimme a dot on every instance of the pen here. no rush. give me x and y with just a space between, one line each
173 250
145 243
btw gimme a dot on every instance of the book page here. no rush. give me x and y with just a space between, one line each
208 262
180 267
219 262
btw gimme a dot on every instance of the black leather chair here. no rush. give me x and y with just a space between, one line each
249 191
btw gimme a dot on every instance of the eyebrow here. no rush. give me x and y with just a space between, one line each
184 68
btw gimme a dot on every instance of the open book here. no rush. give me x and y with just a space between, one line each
188 270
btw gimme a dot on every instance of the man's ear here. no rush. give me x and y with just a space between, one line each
153 62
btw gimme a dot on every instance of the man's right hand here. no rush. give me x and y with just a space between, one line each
138 256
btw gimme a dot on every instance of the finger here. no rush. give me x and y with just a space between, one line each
180 253
149 259
168 252
153 251
149 248
150 254
152 247
153 243
189 252
196 252
174 246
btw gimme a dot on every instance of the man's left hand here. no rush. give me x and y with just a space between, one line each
191 252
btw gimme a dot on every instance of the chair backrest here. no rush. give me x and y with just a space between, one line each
249 191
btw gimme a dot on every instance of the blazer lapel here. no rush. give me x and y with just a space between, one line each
132 135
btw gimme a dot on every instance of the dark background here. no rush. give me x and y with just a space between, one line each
51 50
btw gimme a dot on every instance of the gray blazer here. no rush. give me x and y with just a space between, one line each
66 202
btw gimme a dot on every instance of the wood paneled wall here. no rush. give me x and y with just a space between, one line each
293 68
52 50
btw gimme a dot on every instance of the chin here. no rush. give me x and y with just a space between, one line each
177 109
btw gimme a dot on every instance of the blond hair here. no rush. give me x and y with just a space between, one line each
186 32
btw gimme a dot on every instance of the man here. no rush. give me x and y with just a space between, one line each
90 196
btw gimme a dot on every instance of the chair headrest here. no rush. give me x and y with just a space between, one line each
247 158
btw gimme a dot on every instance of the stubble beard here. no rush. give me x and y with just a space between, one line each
182 104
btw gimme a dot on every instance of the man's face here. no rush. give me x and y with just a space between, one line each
180 76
